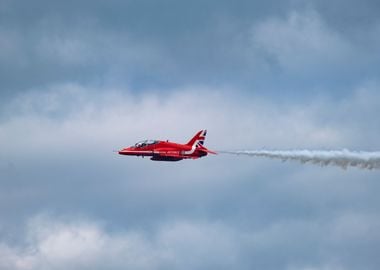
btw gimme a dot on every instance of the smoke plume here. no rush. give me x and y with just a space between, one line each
342 158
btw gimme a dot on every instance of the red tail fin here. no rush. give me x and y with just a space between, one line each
198 138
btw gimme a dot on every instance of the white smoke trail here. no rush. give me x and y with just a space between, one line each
342 158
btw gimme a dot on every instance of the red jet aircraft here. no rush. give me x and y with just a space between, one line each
169 151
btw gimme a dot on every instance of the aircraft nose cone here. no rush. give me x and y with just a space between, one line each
125 151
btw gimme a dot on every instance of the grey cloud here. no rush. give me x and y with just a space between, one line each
81 79
71 112
182 244
58 158
82 244
146 44
301 42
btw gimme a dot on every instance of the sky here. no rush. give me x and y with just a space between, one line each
80 79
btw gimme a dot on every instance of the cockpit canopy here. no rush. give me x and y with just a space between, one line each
145 143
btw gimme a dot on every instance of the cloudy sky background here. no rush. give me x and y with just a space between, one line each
79 79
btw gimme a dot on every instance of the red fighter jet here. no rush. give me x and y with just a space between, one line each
169 151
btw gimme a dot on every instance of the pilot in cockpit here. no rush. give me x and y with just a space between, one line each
145 143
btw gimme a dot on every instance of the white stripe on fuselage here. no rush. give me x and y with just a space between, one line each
193 147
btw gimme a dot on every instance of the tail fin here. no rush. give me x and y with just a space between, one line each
199 138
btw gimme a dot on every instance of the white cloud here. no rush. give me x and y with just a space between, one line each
69 124
87 245
76 243
56 142
71 120
78 117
